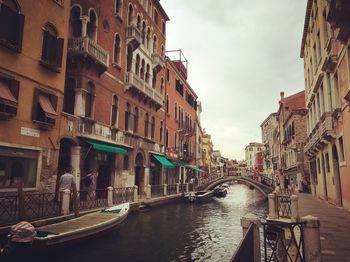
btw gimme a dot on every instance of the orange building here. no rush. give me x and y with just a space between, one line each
180 120
32 74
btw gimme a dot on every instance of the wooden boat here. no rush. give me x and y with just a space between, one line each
77 229
220 191
199 196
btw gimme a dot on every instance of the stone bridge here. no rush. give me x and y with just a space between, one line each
264 189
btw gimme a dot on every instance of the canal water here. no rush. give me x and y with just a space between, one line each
177 232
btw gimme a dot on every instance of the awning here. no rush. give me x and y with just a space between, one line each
165 162
178 163
108 148
195 168
6 94
47 107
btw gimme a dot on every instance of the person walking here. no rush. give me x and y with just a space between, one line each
67 181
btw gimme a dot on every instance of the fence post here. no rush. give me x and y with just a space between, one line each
177 188
136 193
272 206
165 189
110 196
312 242
65 201
245 223
294 207
186 187
148 191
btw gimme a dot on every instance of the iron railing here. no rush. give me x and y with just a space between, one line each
92 199
182 188
123 195
8 207
283 242
284 206
157 190
245 250
171 189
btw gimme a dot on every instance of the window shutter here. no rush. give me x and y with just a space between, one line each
35 104
53 100
52 49
14 87
45 51
20 27
59 51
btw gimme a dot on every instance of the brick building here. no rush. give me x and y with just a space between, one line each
250 152
32 74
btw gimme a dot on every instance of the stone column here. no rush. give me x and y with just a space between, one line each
136 188
146 176
294 207
165 189
272 206
186 187
177 188
110 196
148 191
78 104
84 22
312 242
65 202
75 162
245 223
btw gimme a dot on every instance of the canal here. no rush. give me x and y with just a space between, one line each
177 232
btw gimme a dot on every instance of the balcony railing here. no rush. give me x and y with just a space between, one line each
86 46
133 80
158 61
133 36
326 127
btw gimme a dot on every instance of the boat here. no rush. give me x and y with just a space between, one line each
85 227
220 191
198 197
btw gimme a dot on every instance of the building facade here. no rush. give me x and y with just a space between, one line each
250 152
32 75
325 50
207 153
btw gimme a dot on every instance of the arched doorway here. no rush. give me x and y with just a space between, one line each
336 171
139 174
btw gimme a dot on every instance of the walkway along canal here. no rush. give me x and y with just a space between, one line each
174 232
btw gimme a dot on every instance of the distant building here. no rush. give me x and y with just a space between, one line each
250 152
207 153
259 163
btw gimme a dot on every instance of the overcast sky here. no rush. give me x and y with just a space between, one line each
241 55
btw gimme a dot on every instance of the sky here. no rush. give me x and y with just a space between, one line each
241 55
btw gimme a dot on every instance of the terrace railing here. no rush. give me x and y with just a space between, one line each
157 190
92 199
171 189
123 195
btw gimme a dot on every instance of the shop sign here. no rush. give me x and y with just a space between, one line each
25 131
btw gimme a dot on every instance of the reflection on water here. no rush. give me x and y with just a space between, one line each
176 232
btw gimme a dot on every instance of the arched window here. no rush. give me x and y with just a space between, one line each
154 78
11 25
114 114
75 22
116 59
167 138
154 50
89 99
92 25
52 49
146 124
161 131
293 129
167 103
143 33
153 125
142 71
162 50
126 163
118 8
69 96
136 119
147 74
161 85
127 117
138 22
148 37
137 65
129 59
130 15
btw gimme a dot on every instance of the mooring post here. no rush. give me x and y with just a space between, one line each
312 242
177 188
186 187
136 193
272 206
165 190
148 191
65 202
110 196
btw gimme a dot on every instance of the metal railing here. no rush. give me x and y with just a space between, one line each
92 199
157 190
245 250
283 206
123 195
182 188
171 189
283 242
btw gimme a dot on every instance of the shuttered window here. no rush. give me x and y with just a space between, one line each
52 50
44 108
9 90
11 28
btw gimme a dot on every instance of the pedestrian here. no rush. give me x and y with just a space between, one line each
67 181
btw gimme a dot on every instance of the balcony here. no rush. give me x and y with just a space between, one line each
158 61
338 17
84 46
133 37
69 125
331 60
143 89
326 128
187 157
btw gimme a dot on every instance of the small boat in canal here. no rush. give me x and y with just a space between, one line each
80 228
220 191
198 197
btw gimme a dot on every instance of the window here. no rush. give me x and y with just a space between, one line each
327 163
92 25
161 131
116 51
52 49
156 16
44 108
167 103
176 111
163 27
127 117
161 85
179 87
153 125
146 124
11 26
137 65
118 8
147 76
143 33
341 149
167 75
69 96
130 15
167 138
136 119
114 114
126 163
75 25
89 99
9 91
154 50
142 70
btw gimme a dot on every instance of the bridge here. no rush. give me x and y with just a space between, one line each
263 188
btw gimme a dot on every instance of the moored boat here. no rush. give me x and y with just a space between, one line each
220 191
199 196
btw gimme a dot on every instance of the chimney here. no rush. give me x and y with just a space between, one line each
282 95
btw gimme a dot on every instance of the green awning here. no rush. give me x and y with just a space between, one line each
195 168
178 163
165 162
108 148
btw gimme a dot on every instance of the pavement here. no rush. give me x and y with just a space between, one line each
334 228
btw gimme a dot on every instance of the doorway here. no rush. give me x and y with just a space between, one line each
336 171
139 174
103 181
